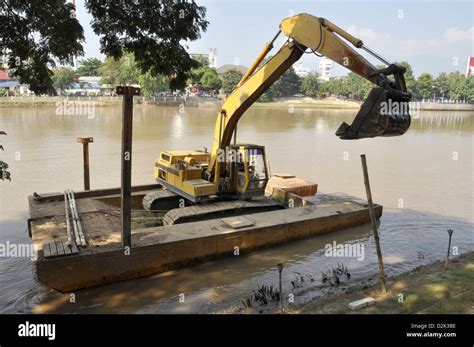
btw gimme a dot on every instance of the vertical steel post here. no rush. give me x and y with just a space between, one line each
280 287
85 157
126 168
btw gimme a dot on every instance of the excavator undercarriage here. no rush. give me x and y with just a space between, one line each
177 210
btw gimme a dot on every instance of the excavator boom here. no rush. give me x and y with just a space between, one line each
305 31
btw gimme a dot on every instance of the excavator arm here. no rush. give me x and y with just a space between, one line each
322 37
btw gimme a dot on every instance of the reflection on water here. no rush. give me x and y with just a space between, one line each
423 188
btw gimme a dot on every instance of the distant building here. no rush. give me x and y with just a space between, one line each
211 57
325 68
227 67
470 66
300 70
89 79
10 86
86 85
4 76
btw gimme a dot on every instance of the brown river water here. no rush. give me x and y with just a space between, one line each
423 179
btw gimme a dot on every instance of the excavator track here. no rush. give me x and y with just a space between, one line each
220 209
162 199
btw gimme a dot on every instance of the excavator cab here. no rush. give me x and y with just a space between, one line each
252 171
385 111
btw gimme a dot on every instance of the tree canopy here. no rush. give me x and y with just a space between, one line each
153 31
310 85
424 85
287 85
36 36
63 78
89 67
230 79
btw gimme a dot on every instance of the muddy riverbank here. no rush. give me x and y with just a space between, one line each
425 289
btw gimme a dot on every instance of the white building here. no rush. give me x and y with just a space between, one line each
325 68
211 57
300 70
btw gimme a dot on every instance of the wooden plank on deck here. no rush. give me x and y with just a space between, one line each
46 250
58 248
54 249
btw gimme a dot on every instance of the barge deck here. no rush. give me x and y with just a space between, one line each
159 248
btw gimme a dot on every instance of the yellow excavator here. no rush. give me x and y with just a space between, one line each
232 171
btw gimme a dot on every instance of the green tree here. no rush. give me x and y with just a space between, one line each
202 66
268 96
63 78
357 87
35 35
470 88
154 31
441 84
89 67
117 72
211 80
460 87
151 84
310 85
424 85
288 84
335 86
230 79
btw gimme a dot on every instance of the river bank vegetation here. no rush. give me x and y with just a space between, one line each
426 289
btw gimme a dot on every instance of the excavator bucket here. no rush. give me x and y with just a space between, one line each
384 113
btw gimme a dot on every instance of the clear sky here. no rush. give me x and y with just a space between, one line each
433 36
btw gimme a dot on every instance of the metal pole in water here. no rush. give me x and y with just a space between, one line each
126 168
85 157
280 270
374 222
450 233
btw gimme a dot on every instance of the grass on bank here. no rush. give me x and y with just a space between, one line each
428 289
